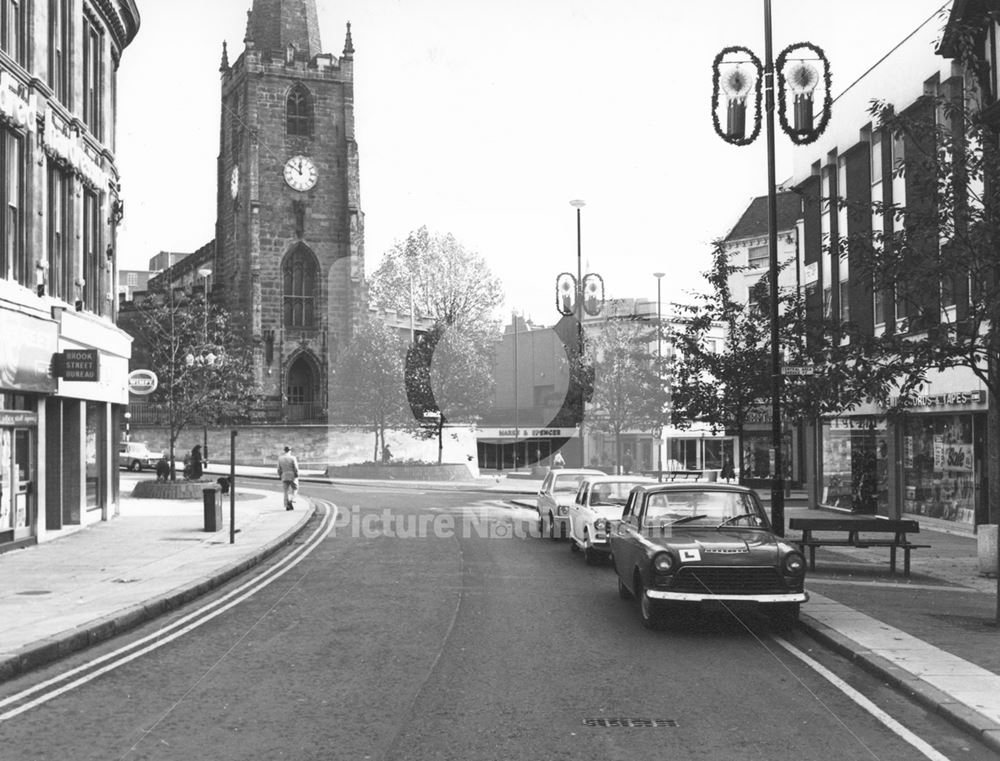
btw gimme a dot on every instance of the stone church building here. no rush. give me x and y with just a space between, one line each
289 236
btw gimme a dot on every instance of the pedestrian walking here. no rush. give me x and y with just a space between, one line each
727 473
197 463
288 473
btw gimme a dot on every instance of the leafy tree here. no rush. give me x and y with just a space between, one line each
625 395
449 380
450 284
724 388
203 362
370 380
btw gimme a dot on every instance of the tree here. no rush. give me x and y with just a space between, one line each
370 380
203 362
449 283
724 388
449 379
625 377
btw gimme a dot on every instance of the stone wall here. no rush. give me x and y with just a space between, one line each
316 446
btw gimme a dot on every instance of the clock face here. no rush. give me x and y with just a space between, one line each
234 181
300 173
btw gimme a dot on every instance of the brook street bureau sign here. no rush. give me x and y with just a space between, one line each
142 382
79 365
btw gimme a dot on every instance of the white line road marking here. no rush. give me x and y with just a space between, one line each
921 745
197 618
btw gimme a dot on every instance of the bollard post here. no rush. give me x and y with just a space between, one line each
232 486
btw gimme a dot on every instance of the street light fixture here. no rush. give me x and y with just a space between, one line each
205 273
795 71
578 304
659 366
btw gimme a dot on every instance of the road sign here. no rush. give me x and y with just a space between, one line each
798 370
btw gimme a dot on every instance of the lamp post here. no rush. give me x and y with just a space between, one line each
205 273
659 372
738 78
578 204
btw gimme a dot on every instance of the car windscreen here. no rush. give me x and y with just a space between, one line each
700 507
611 492
567 483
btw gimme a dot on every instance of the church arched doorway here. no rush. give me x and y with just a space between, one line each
302 394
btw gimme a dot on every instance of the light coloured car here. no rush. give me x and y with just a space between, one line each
598 506
556 494
135 455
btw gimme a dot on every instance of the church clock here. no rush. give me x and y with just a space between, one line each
300 173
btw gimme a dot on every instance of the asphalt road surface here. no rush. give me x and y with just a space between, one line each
425 624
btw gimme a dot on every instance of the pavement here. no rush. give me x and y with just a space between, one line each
934 635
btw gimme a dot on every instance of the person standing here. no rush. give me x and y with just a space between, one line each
288 472
197 463
558 461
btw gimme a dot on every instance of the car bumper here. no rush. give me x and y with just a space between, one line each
692 597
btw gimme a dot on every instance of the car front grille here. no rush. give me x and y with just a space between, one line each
728 581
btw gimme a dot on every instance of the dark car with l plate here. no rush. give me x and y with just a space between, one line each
704 546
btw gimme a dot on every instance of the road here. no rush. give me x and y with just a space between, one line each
425 625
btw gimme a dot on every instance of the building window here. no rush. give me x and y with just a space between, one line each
92 270
758 257
14 30
60 39
299 112
93 77
876 156
299 276
845 302
14 261
62 273
235 123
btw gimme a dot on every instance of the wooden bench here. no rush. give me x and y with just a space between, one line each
890 533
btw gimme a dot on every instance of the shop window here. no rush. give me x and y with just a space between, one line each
940 475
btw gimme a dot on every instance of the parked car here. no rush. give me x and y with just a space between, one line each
704 545
597 508
556 494
135 455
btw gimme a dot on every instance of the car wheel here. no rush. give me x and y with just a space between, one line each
785 616
552 527
591 556
573 546
623 590
136 466
650 612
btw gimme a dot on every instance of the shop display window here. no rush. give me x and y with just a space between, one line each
939 468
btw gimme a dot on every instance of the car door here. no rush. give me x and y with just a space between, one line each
578 512
543 503
624 540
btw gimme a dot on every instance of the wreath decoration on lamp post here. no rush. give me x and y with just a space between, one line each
737 84
566 294
802 81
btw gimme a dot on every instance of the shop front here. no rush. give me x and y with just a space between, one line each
524 448
943 455
25 381
854 464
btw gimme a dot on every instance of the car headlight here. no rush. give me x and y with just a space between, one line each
600 524
563 509
663 562
794 564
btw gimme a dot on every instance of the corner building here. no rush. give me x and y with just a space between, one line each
63 361
289 248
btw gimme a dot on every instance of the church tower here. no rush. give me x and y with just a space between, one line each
289 250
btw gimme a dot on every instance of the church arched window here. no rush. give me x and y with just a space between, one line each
299 273
299 112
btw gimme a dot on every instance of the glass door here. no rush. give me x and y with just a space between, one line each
24 484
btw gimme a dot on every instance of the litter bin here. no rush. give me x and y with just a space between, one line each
213 509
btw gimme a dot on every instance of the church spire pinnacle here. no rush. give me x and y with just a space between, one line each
275 24
248 36
348 43
224 65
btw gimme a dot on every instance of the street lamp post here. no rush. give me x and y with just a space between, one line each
578 204
739 78
659 371
205 273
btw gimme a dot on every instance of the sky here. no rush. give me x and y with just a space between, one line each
484 119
